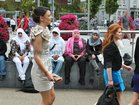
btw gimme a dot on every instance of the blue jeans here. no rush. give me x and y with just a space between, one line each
2 65
57 65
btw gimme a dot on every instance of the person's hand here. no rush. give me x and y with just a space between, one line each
50 77
110 83
78 57
21 58
93 56
73 56
55 57
128 68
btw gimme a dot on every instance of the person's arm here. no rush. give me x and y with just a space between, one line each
25 23
4 47
108 58
88 50
37 45
84 48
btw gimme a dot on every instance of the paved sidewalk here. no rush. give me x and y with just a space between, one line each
10 96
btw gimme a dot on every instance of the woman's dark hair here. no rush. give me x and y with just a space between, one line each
40 11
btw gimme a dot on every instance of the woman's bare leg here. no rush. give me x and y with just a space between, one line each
135 99
119 96
48 97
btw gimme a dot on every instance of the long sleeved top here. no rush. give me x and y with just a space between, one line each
3 48
69 48
93 49
112 57
136 57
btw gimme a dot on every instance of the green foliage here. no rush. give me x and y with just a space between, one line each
44 3
94 6
27 5
111 7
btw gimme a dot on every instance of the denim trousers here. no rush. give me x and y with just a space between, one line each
57 65
2 65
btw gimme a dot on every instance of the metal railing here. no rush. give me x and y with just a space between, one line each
103 31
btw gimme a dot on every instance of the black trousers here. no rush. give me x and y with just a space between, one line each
69 61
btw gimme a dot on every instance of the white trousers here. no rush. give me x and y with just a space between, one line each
21 66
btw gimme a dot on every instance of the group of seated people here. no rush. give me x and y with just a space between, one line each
76 49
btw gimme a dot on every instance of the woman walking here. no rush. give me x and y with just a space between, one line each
41 72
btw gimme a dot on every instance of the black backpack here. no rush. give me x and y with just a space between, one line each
127 59
108 97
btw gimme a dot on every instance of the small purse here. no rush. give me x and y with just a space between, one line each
127 59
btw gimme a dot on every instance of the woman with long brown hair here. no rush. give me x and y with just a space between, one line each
112 59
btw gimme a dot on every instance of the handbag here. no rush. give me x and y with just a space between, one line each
127 59
108 97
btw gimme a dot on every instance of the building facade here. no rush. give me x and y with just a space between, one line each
131 5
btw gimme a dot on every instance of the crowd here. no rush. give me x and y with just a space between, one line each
49 54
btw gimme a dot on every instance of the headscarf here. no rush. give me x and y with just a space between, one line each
58 41
93 42
70 42
21 40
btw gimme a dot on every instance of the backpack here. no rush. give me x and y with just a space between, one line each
127 59
108 97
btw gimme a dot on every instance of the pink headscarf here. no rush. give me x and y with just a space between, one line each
70 43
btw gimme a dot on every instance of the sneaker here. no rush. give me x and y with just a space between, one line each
91 81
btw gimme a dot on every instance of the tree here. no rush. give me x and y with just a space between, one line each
44 3
111 7
27 5
94 6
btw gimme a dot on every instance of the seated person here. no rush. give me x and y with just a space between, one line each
75 52
57 48
20 47
3 49
93 48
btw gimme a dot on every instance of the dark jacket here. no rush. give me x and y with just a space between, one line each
3 48
112 57
96 50
136 57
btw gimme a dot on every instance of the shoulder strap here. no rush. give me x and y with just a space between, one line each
52 47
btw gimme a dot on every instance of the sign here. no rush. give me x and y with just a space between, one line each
82 0
17 0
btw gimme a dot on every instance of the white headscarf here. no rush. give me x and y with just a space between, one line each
21 40
60 44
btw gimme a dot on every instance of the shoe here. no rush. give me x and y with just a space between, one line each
91 81
82 82
67 81
23 82
19 79
57 78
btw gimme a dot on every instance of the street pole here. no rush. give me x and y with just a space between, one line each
38 3
53 14
88 14
129 7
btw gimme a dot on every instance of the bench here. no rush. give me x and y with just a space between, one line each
11 79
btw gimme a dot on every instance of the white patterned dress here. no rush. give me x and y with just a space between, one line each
40 81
